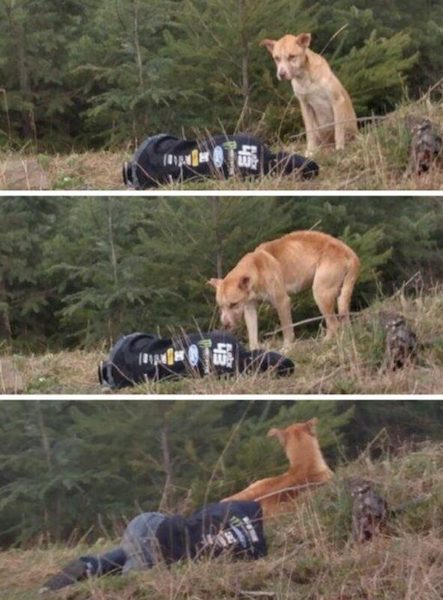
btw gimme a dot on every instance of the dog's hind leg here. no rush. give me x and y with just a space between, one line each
349 281
344 119
326 289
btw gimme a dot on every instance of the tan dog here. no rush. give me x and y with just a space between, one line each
306 466
326 107
291 263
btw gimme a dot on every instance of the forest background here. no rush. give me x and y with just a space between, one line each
80 272
107 73
80 469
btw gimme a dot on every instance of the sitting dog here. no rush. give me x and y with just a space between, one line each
306 466
326 107
289 264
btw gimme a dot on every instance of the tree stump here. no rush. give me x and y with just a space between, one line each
401 341
426 147
369 510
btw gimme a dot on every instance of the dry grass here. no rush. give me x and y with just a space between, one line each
311 554
376 160
72 372
349 364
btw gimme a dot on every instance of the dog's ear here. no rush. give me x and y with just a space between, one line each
311 425
214 282
304 40
245 283
280 434
268 44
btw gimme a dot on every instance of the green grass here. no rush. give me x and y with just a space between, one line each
311 553
350 363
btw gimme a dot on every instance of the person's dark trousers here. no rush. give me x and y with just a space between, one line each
107 563
138 550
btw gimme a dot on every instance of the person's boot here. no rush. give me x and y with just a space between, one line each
74 571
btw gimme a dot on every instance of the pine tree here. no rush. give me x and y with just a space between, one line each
97 273
119 67
421 21
90 270
374 74
25 295
105 72
70 468
219 69
73 467
34 41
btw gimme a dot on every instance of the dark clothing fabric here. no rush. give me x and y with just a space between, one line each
164 158
234 527
139 357
105 564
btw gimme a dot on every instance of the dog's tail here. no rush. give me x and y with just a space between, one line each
349 281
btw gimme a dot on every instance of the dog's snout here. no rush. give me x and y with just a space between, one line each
282 74
226 321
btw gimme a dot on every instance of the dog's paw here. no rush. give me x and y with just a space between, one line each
287 347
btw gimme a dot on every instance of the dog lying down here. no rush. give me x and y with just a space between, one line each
164 159
140 357
307 468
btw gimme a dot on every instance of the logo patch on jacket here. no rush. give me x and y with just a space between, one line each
217 157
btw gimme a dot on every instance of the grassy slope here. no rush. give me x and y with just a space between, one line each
377 159
348 364
311 555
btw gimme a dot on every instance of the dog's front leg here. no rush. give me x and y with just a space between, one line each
282 304
311 133
251 320
340 120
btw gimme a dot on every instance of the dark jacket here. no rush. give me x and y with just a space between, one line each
164 158
139 357
235 527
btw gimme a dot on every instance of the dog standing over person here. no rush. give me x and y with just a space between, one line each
291 263
328 115
306 466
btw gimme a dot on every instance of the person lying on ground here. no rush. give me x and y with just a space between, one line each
139 357
232 528
164 159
